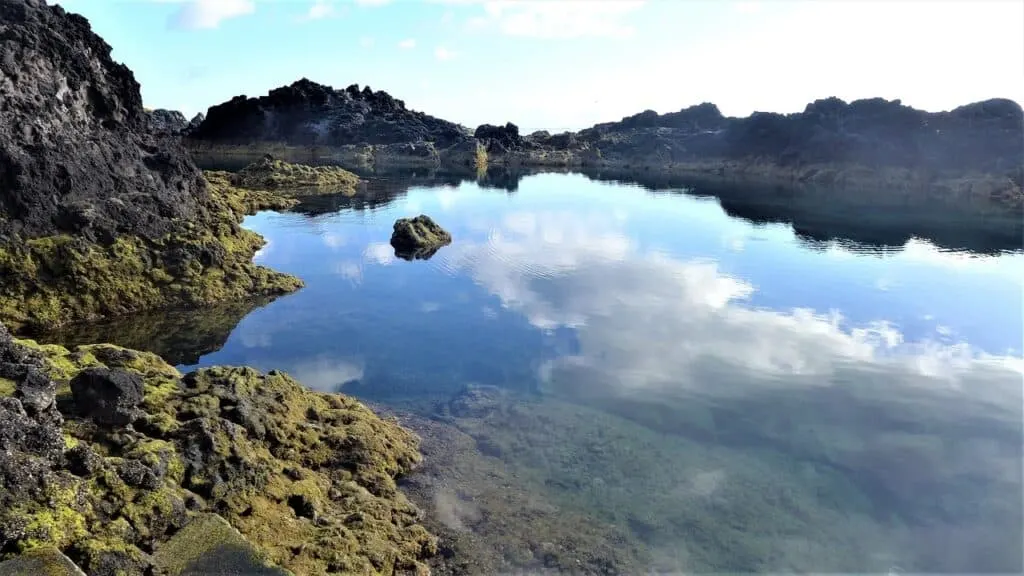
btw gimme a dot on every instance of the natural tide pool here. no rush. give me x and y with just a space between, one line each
643 383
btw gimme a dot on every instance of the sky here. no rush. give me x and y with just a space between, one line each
567 64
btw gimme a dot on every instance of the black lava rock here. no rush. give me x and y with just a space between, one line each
107 396
76 153
307 113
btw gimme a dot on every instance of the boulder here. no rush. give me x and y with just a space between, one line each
45 561
107 396
418 235
36 391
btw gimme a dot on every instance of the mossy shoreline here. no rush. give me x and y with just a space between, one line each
56 280
308 478
977 191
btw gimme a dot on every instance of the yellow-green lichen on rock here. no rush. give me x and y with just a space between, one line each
269 173
307 478
55 280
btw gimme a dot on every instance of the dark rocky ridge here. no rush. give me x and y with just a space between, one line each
307 113
974 152
983 137
99 215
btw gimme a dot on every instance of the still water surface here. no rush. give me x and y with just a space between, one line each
717 395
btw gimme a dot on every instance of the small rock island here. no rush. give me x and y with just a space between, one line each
418 238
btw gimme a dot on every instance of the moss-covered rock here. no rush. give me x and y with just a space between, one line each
418 238
269 173
307 478
55 280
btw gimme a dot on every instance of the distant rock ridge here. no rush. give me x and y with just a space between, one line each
983 137
973 152
307 113
171 122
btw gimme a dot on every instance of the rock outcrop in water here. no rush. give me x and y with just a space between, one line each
271 174
99 216
972 153
418 238
106 453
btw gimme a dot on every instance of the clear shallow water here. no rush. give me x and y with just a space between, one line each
726 395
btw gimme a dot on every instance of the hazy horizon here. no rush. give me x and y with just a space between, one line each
566 65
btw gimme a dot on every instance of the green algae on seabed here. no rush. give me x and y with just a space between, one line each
307 478
55 280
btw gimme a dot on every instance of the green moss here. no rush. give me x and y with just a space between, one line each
308 478
7 387
271 174
58 520
55 280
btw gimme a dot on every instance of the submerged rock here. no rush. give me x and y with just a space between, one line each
418 238
99 216
306 479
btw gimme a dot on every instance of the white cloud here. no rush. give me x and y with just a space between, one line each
366 42
649 321
379 253
326 374
351 271
333 240
443 54
408 43
568 19
318 10
207 14
372 2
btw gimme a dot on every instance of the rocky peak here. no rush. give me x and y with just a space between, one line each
308 113
166 122
76 155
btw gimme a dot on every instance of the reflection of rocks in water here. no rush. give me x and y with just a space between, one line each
418 254
180 337
876 217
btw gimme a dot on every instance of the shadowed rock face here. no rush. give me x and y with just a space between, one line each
75 152
307 113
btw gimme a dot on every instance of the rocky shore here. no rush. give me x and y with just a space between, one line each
111 461
100 216
106 453
971 154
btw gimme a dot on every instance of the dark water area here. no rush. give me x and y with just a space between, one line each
623 375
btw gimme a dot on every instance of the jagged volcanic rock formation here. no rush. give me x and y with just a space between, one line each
307 113
98 215
106 452
973 152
